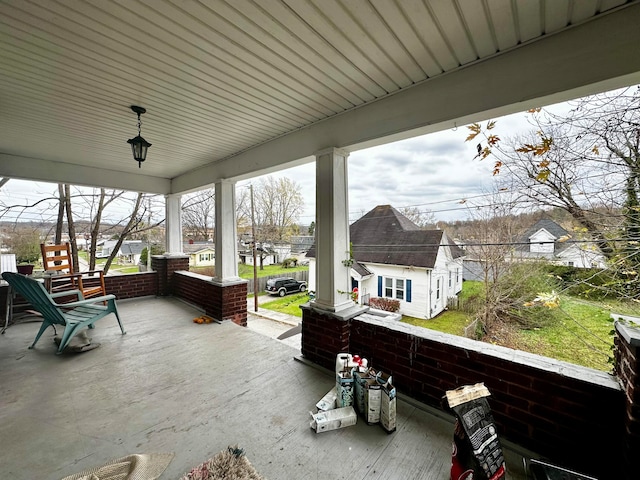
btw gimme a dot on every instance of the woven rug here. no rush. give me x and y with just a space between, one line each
230 464
131 467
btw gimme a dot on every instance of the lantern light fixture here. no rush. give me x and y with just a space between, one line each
139 145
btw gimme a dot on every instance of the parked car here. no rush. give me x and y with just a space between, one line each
282 286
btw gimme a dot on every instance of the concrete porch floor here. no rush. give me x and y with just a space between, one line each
170 385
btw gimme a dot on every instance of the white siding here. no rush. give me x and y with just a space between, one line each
418 307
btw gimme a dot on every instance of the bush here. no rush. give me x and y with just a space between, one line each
386 304
290 262
26 246
155 250
589 283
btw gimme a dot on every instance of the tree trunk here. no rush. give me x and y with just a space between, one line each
134 220
71 227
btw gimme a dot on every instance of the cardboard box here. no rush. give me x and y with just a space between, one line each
333 419
328 402
476 447
388 408
372 398
360 379
344 389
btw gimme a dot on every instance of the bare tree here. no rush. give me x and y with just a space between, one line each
587 162
507 284
198 214
278 204
423 218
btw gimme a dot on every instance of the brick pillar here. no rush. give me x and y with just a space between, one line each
166 266
325 334
230 302
627 369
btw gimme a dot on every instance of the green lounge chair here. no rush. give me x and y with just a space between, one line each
73 316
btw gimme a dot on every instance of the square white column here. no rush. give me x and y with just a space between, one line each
332 231
173 224
226 234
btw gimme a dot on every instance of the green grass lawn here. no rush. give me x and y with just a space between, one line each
580 331
451 321
580 334
289 304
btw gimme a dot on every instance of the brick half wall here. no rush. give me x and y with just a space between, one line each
627 353
567 413
222 302
132 285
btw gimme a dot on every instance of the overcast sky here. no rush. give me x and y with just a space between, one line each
433 172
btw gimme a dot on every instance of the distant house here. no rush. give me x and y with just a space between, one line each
301 243
394 258
129 251
201 254
548 240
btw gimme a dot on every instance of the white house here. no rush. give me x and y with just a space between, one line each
548 240
129 251
394 258
201 254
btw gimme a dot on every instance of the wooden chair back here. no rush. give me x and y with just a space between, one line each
57 257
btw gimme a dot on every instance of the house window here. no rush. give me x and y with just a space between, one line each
398 288
438 289
205 257
457 276
450 278
570 264
388 287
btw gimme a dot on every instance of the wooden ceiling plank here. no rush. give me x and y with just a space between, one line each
394 17
385 44
452 29
425 27
502 20
277 21
189 64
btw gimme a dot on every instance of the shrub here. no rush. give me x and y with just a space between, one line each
386 304
155 250
290 262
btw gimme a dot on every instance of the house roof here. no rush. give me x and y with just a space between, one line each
133 248
196 247
361 269
550 226
385 236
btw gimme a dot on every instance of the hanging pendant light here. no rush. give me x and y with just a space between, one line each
138 144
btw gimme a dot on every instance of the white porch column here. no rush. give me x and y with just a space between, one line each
173 219
332 231
226 233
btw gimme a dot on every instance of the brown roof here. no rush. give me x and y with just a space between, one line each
386 236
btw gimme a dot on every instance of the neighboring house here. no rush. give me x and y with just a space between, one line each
394 258
266 254
129 251
201 254
301 243
548 240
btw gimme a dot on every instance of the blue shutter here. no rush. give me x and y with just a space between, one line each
409 291
380 286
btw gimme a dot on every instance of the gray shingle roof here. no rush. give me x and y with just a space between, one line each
385 236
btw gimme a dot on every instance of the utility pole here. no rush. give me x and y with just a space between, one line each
255 268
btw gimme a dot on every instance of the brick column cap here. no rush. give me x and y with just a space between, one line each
171 255
629 331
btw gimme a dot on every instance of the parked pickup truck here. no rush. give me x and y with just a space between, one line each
283 286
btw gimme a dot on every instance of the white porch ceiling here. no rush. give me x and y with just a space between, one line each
240 87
